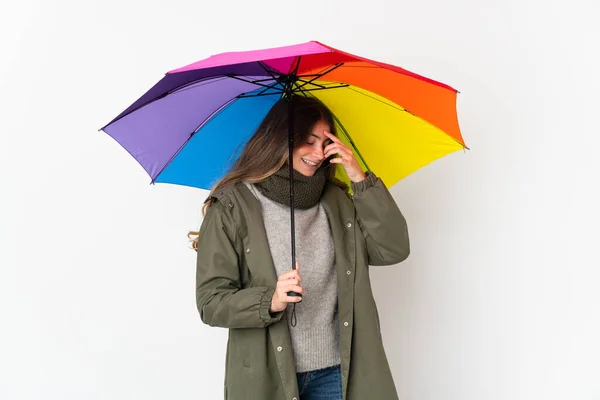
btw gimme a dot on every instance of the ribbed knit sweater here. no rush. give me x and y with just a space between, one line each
315 338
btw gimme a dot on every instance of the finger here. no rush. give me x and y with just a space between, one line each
336 150
292 273
332 137
340 146
297 289
289 279
294 288
287 282
285 294
293 299
342 158
336 141
298 276
284 287
337 145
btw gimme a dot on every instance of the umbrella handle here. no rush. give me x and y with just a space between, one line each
294 294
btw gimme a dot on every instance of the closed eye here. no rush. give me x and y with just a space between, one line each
325 143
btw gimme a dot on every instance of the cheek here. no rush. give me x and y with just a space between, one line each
301 151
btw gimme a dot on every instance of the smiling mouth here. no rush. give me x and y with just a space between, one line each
309 163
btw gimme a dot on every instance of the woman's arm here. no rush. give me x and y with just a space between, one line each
383 225
220 298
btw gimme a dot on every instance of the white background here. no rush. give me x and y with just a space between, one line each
500 297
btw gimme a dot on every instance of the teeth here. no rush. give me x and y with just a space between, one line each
309 162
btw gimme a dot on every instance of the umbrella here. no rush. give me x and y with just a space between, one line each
188 128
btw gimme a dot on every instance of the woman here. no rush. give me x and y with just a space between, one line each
333 349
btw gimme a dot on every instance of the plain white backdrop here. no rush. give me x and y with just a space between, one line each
500 298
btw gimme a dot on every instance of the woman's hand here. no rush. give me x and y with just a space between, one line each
346 158
287 282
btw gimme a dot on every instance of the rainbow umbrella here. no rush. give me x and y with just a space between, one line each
190 126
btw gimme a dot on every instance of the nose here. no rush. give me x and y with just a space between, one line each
319 153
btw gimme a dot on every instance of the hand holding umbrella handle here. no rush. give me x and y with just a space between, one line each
292 293
288 290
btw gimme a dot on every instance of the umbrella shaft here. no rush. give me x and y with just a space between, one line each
291 166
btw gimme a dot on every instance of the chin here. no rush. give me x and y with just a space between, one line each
305 172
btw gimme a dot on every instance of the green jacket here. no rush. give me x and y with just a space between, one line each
236 280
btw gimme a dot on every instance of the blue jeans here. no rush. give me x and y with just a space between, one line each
321 384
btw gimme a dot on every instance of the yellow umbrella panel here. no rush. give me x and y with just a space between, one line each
386 138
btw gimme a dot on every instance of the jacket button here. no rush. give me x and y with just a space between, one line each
279 348
349 225
348 272
293 398
248 251
346 323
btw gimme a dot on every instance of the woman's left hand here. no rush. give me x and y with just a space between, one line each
346 158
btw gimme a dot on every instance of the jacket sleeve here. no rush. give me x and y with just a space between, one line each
382 224
220 298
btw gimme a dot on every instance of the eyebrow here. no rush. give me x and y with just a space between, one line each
317 137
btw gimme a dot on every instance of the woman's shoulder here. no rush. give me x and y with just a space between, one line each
228 192
232 201
228 203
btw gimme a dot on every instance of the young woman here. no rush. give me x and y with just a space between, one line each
332 348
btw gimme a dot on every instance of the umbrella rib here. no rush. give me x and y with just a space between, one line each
264 92
336 66
247 81
263 80
350 140
339 85
195 83
271 86
243 95
397 107
307 83
271 74
213 114
296 90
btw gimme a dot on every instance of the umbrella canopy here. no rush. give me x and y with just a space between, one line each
190 126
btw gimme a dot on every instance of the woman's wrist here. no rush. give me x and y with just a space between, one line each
358 178
368 182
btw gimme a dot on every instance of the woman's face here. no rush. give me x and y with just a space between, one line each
308 156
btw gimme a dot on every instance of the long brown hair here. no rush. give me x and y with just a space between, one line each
267 150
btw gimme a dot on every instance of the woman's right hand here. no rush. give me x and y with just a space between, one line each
287 282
